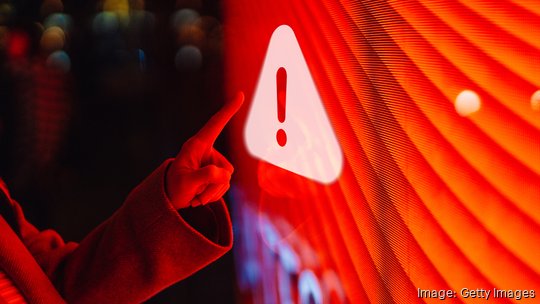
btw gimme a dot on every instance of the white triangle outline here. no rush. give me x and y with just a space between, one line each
312 149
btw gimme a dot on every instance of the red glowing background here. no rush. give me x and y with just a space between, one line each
430 196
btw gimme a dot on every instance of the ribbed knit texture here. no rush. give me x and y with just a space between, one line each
144 247
9 293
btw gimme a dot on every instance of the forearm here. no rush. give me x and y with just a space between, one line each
143 248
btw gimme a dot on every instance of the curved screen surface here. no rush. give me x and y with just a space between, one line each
431 189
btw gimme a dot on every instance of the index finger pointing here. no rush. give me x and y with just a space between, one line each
211 130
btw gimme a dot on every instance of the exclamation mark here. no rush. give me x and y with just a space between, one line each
281 84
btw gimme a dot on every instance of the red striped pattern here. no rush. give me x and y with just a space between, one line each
427 199
9 292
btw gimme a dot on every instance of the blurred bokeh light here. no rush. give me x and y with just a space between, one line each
94 96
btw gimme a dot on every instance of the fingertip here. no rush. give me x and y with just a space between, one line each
238 100
240 97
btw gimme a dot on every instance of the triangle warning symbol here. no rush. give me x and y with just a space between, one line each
293 133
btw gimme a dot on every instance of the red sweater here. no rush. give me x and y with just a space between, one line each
141 249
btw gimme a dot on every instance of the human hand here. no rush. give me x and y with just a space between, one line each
200 174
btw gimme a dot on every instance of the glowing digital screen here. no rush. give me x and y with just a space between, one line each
311 148
388 151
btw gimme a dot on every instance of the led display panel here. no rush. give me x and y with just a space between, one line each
388 151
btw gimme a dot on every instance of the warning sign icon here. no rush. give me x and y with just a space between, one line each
287 124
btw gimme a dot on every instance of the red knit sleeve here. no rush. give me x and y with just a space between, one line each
143 248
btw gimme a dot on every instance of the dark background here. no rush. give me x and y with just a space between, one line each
75 141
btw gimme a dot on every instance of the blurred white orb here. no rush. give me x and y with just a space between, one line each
467 102
535 101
